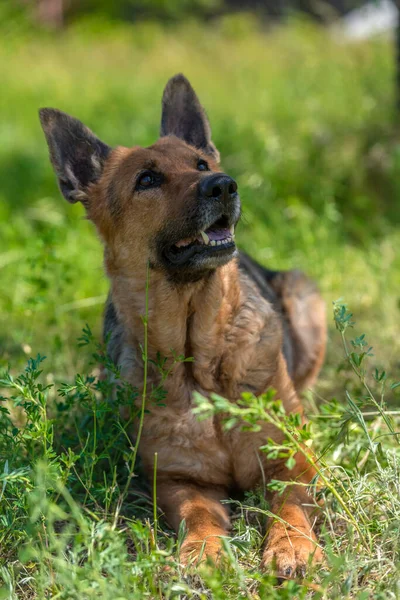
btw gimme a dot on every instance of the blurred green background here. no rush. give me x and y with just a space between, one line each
304 118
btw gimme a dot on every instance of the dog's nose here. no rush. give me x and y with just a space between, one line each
218 186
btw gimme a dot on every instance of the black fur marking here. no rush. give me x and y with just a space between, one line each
112 331
263 278
110 318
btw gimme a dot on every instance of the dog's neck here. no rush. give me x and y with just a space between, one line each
183 320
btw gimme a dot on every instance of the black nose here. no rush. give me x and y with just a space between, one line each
218 186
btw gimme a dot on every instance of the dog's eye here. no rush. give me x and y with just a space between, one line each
146 180
202 165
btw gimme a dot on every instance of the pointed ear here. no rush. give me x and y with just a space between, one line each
76 154
183 116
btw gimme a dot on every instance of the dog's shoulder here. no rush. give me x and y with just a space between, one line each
297 301
263 278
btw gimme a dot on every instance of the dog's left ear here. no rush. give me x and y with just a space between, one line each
183 116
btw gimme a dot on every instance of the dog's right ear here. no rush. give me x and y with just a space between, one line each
76 154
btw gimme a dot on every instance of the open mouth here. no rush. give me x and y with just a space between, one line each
218 238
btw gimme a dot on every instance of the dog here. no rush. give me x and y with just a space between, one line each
166 215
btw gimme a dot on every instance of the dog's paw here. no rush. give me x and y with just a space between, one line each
289 555
194 553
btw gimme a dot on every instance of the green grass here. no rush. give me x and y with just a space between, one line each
306 125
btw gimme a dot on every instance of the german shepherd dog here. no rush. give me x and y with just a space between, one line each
167 215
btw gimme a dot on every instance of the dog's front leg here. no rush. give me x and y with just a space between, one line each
205 517
291 542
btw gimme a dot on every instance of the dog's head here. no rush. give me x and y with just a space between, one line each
168 204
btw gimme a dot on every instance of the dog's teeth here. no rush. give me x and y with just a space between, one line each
213 242
232 229
205 237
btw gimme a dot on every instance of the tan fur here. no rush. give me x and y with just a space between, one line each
235 339
234 335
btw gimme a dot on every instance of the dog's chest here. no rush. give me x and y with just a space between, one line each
237 355
187 446
197 449
230 355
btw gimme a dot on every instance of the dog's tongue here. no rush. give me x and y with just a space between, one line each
218 234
